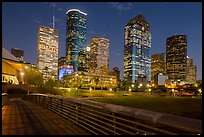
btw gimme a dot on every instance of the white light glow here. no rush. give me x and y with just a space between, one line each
76 10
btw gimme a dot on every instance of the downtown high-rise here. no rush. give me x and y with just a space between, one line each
158 65
137 55
47 52
176 53
99 54
191 71
76 39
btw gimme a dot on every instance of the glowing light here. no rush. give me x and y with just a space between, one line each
26 67
200 90
133 85
76 10
88 49
21 73
140 84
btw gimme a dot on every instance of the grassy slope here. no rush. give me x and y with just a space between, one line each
183 106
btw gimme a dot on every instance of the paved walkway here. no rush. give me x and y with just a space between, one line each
25 118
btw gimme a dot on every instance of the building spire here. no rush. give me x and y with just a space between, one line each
53 18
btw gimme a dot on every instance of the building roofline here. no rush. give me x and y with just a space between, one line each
76 10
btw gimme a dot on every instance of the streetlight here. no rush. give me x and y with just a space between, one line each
173 92
133 85
22 74
90 91
110 89
149 91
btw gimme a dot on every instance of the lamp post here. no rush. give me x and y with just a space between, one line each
149 91
90 92
173 92
111 84
22 74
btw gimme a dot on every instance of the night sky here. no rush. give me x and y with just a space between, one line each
21 21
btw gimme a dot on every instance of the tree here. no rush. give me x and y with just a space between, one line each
50 84
32 76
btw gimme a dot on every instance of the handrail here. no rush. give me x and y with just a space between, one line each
103 118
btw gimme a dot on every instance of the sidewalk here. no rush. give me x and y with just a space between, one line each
25 118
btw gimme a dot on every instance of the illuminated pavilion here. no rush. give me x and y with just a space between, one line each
12 69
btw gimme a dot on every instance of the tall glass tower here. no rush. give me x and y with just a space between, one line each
137 44
76 39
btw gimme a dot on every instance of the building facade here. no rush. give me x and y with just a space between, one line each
18 53
99 55
176 52
160 79
63 68
47 49
158 65
76 39
12 68
190 71
137 44
93 81
116 72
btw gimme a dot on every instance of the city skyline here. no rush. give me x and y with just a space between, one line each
165 19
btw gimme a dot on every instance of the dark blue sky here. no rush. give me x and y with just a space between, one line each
21 20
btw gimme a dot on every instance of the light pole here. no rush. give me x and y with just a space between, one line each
173 92
22 74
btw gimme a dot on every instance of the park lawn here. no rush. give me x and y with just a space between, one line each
182 106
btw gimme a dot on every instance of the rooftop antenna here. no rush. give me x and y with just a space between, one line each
53 24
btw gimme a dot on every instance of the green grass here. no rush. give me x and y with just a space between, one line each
182 106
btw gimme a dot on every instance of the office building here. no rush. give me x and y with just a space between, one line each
116 72
190 71
158 65
87 80
99 54
137 55
160 79
47 49
63 68
76 39
176 51
18 53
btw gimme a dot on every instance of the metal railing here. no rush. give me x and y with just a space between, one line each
109 119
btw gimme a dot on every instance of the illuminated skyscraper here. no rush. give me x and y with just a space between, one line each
47 49
99 54
176 52
137 44
76 39
190 71
158 64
